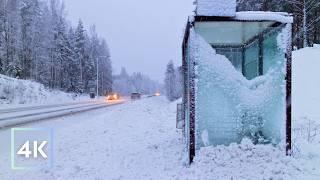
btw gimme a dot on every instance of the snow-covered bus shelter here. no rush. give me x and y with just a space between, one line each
237 79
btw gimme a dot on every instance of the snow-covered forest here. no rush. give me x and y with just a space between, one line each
306 13
125 84
38 43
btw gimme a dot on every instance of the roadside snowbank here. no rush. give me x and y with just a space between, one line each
306 83
16 91
306 104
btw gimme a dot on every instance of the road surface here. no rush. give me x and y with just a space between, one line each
14 116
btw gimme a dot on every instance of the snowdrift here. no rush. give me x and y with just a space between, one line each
306 84
16 91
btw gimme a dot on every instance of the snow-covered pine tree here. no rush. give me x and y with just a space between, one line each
80 53
73 64
30 16
43 45
172 82
179 83
64 55
105 67
89 63
12 43
2 39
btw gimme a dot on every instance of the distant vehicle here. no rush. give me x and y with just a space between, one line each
135 96
92 86
157 94
113 96
92 93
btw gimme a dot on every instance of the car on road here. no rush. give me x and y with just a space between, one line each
135 96
113 96
157 94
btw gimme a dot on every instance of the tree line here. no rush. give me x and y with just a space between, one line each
306 14
126 84
38 43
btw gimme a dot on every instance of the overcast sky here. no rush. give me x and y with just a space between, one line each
143 35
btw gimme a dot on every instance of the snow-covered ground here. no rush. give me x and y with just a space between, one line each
138 140
15 91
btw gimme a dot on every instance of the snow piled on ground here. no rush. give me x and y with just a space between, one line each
138 140
245 161
16 91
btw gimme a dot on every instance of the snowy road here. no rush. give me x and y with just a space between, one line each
118 142
10 117
138 140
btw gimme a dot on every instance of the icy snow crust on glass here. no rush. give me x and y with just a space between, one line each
230 107
216 8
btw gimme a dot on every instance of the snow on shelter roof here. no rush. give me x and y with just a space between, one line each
226 8
281 17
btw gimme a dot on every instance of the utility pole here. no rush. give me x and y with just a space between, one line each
97 77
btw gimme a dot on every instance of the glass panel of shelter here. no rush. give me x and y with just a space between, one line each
245 59
245 55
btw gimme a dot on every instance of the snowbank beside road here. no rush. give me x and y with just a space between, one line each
306 82
16 91
306 104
